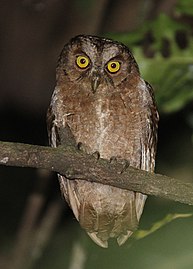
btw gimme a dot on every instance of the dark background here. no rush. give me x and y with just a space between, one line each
32 34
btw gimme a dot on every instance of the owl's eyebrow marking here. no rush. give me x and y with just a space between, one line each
117 57
80 51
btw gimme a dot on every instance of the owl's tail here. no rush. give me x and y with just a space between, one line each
104 243
134 210
104 212
118 222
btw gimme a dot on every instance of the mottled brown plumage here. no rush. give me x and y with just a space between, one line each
109 108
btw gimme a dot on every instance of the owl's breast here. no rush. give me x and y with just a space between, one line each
108 126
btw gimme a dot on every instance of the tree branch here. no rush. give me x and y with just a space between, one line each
75 164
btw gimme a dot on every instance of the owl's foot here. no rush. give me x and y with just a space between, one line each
123 163
96 155
82 147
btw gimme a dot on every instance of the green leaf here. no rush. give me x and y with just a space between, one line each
159 224
184 7
172 76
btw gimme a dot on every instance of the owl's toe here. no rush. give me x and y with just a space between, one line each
123 163
96 155
83 148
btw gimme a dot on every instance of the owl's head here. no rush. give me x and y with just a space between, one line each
96 61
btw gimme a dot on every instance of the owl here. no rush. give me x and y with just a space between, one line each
100 96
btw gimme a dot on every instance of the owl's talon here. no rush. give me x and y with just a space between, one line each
119 161
81 146
96 155
126 164
113 160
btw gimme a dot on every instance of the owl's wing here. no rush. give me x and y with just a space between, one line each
148 146
148 152
52 129
57 136
150 139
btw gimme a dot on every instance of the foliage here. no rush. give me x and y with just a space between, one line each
163 48
159 224
184 7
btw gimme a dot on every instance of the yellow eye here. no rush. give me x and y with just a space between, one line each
82 61
113 66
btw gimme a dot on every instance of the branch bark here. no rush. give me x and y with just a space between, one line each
75 164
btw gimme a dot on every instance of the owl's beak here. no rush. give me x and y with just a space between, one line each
95 82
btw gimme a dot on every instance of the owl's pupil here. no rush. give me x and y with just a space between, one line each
113 65
82 61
